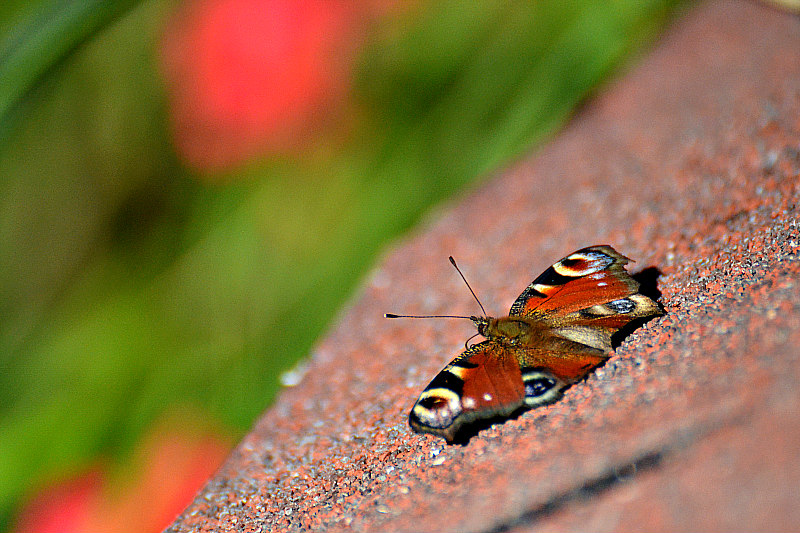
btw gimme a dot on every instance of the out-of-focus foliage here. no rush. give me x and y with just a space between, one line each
131 284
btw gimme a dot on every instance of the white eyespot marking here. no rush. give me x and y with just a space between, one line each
577 265
569 271
621 306
600 258
468 403
437 408
602 284
487 397
439 393
541 388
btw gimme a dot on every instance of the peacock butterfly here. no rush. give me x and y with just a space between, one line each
557 331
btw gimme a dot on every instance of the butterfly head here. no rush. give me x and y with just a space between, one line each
482 323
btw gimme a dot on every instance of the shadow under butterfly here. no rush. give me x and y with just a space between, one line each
564 325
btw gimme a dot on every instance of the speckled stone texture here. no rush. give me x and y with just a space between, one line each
690 164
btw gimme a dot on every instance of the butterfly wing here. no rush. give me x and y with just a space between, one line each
483 382
546 372
492 380
585 298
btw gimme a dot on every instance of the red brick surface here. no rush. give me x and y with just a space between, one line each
691 164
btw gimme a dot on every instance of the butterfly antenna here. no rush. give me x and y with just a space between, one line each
453 261
392 315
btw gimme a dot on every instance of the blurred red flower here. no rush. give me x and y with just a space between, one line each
64 508
171 468
252 77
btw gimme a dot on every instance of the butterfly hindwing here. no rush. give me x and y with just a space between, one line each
567 366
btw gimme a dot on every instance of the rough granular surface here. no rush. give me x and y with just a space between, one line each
689 164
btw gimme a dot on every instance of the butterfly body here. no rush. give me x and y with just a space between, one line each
557 331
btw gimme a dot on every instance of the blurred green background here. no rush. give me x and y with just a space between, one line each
135 282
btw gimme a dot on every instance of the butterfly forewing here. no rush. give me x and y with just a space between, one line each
590 276
586 297
483 382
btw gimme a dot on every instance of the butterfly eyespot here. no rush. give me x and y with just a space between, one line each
571 262
436 408
541 387
582 264
433 402
538 386
622 306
